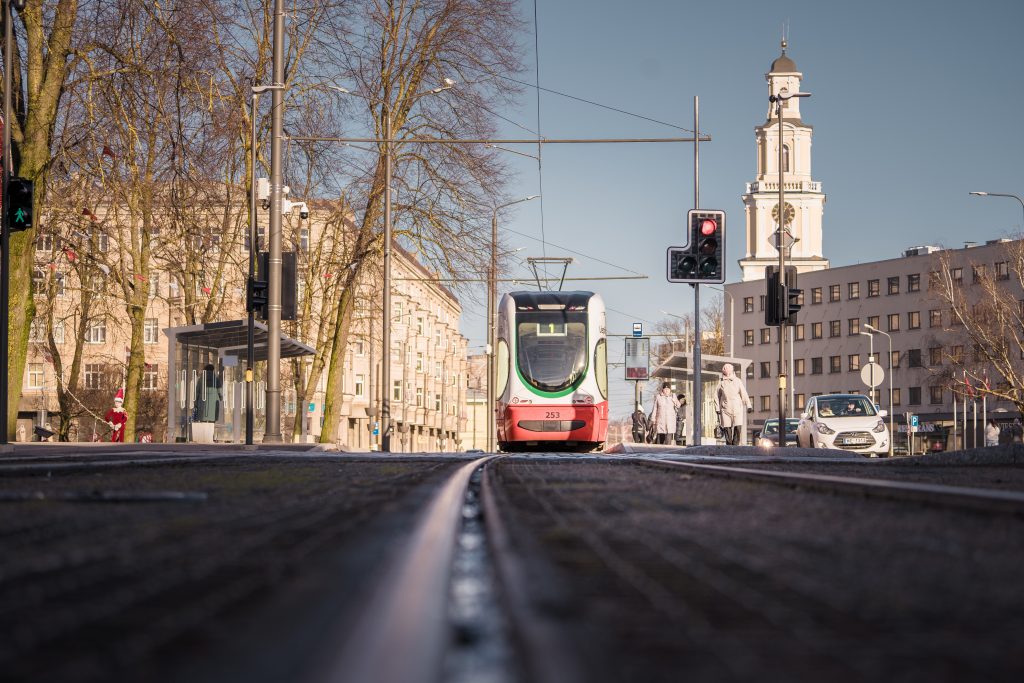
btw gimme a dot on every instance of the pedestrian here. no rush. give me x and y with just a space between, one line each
992 433
680 419
117 418
663 417
639 425
731 402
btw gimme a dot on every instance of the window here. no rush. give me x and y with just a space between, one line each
854 362
396 391
396 311
37 330
360 385
785 158
853 325
935 395
835 328
934 318
801 401
894 322
96 332
750 371
816 366
914 358
894 359
419 325
766 369
915 396
835 364
914 282
956 353
44 243
766 335
873 321
762 303
154 285
102 241
304 239
419 361
957 275
853 290
173 288
766 404
150 377
748 304
816 295
437 370
419 397
360 348
872 288
35 376
894 285
934 279
437 402
748 337
914 320
149 331
815 330
977 274
1002 270
798 366
94 376
895 396
833 293
38 280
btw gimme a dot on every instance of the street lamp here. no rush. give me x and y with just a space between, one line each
250 338
385 404
782 96
999 194
492 309
872 328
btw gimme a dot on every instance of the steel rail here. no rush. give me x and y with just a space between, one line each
404 634
983 500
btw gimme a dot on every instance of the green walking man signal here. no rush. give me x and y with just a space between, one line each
19 204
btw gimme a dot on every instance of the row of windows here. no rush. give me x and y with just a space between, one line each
1001 270
100 241
936 356
95 331
894 323
95 376
936 396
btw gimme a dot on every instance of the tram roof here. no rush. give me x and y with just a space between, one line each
572 300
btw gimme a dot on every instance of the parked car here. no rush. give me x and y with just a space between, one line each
846 421
769 435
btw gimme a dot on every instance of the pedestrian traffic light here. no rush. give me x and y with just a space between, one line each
702 260
19 204
257 299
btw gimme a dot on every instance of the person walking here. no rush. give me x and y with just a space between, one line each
731 402
680 419
992 433
639 425
663 417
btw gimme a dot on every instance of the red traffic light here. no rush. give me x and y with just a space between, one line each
708 227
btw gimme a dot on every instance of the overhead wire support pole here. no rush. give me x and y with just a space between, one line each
5 233
698 375
272 433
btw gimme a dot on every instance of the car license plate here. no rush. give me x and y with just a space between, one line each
855 442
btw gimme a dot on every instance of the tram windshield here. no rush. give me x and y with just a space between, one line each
551 348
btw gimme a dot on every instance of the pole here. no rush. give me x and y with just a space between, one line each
385 403
779 245
698 375
5 235
871 364
954 422
272 433
974 423
250 333
492 375
892 431
790 332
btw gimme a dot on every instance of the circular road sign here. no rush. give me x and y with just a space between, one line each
872 374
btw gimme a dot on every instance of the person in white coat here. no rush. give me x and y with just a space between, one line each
731 402
992 433
663 417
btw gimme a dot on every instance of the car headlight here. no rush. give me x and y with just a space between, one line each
878 428
823 428
766 443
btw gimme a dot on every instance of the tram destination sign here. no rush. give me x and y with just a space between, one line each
638 353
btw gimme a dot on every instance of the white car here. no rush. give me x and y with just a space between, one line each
846 421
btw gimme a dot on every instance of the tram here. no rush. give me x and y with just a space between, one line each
552 372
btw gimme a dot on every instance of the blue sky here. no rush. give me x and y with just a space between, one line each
914 104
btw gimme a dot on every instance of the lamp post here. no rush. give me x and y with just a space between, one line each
778 99
492 309
871 356
871 328
385 379
999 194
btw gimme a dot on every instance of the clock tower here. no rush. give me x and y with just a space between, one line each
805 202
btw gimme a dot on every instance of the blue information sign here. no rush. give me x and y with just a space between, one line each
913 421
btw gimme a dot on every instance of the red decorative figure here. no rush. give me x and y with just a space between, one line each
116 417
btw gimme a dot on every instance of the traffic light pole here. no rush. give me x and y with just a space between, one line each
781 246
5 233
698 386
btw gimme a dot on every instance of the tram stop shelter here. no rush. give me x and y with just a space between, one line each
206 380
678 370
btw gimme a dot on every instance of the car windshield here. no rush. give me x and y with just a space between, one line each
772 426
552 348
845 406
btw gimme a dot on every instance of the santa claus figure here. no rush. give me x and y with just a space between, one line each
117 418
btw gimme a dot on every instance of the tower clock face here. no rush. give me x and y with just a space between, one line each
790 213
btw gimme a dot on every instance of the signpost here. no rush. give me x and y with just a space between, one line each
872 375
638 329
638 355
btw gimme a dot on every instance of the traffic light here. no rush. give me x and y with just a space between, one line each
702 260
782 299
19 204
793 302
256 301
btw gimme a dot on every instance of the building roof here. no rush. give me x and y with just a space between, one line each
783 64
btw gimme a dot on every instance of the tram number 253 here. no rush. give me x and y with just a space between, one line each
552 414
